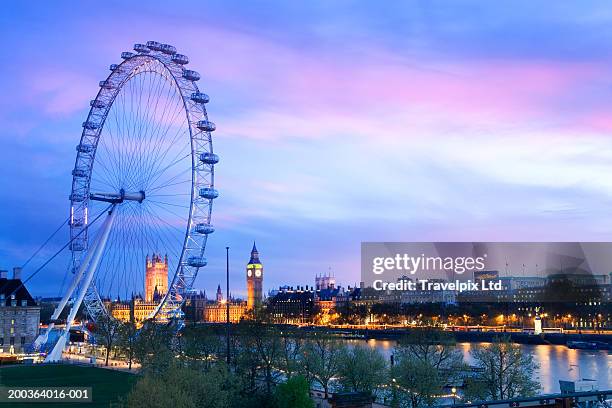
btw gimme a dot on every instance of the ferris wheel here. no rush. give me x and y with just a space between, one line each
145 169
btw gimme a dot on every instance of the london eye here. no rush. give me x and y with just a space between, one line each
142 183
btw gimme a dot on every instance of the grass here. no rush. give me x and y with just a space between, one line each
107 385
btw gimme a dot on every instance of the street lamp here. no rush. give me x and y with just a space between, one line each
454 392
227 305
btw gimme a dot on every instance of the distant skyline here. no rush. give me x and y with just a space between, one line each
338 122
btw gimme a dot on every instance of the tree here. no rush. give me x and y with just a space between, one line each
201 346
436 348
361 369
506 372
268 346
127 341
427 360
291 350
351 313
294 393
260 353
246 353
321 358
106 332
152 348
179 386
415 382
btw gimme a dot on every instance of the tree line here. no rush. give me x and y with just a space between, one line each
276 367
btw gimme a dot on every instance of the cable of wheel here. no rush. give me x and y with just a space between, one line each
58 252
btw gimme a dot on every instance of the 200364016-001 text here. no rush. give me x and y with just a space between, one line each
45 394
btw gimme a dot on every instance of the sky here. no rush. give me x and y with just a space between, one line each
337 123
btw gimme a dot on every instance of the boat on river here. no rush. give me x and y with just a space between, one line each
589 345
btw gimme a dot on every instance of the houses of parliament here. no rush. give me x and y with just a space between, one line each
197 306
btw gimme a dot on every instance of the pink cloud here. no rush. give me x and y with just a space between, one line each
59 91
311 90
598 121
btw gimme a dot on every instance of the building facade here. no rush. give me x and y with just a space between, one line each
254 272
155 288
216 312
19 315
291 306
156 277
137 306
194 306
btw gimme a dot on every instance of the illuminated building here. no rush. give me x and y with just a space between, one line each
216 312
19 314
254 271
155 287
325 281
419 296
137 306
291 306
156 277
194 307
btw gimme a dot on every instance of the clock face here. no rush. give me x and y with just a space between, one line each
249 273
258 273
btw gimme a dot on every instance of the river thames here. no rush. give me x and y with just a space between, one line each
555 362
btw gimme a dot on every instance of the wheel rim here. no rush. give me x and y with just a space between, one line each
147 131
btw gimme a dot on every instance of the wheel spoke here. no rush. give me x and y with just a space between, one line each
145 144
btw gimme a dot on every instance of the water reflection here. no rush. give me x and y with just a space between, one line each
555 362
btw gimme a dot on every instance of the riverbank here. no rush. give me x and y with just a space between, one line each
464 336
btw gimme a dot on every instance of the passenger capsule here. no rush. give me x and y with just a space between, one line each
200 97
95 103
206 126
76 197
209 193
106 85
191 75
154 45
209 158
79 173
180 59
204 229
113 67
197 261
127 54
168 49
141 48
84 148
90 125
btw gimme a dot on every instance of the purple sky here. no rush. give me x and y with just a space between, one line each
338 122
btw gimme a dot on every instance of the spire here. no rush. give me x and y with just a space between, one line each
254 255
219 294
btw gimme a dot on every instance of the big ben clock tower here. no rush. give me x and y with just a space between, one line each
254 280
